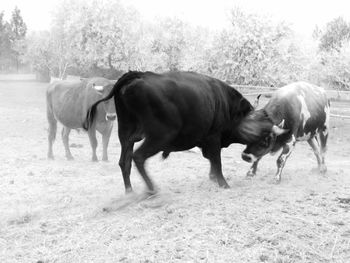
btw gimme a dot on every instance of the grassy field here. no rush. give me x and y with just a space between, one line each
52 211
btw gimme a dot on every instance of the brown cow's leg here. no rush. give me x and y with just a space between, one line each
106 134
281 161
212 151
51 136
65 139
93 142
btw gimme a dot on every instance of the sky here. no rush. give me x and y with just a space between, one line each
302 15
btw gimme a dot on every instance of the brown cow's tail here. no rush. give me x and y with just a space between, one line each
124 80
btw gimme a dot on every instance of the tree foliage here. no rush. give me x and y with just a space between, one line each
88 37
336 33
5 43
253 50
332 67
12 36
18 27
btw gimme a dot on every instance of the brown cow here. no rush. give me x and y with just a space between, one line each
68 101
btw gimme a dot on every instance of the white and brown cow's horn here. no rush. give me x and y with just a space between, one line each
278 129
256 101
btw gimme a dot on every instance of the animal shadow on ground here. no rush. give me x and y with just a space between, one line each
144 200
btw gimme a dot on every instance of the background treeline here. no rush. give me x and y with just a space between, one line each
105 38
12 41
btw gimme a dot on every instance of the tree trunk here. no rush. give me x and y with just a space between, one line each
109 59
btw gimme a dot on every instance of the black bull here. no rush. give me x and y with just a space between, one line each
174 111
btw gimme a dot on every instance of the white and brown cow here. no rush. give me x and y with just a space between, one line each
296 112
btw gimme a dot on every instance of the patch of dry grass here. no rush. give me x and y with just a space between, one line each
53 211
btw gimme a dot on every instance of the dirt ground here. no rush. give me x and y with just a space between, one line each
52 211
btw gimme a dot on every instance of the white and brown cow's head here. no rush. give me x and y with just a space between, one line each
260 134
108 105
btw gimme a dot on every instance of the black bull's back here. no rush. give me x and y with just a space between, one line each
191 106
175 111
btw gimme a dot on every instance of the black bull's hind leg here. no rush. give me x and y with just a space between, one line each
151 146
127 146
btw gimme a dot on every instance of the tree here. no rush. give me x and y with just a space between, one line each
333 59
18 33
252 51
18 27
5 43
95 34
337 32
169 42
40 54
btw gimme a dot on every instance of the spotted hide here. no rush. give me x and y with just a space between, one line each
296 112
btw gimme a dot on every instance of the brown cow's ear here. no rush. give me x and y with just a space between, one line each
98 89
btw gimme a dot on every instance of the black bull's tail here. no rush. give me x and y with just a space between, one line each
124 80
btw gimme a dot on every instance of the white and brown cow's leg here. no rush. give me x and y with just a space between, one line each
315 147
253 168
65 139
323 149
281 161
323 137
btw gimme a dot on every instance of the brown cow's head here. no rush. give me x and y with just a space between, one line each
108 105
260 134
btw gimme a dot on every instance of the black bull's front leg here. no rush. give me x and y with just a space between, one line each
253 168
211 150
